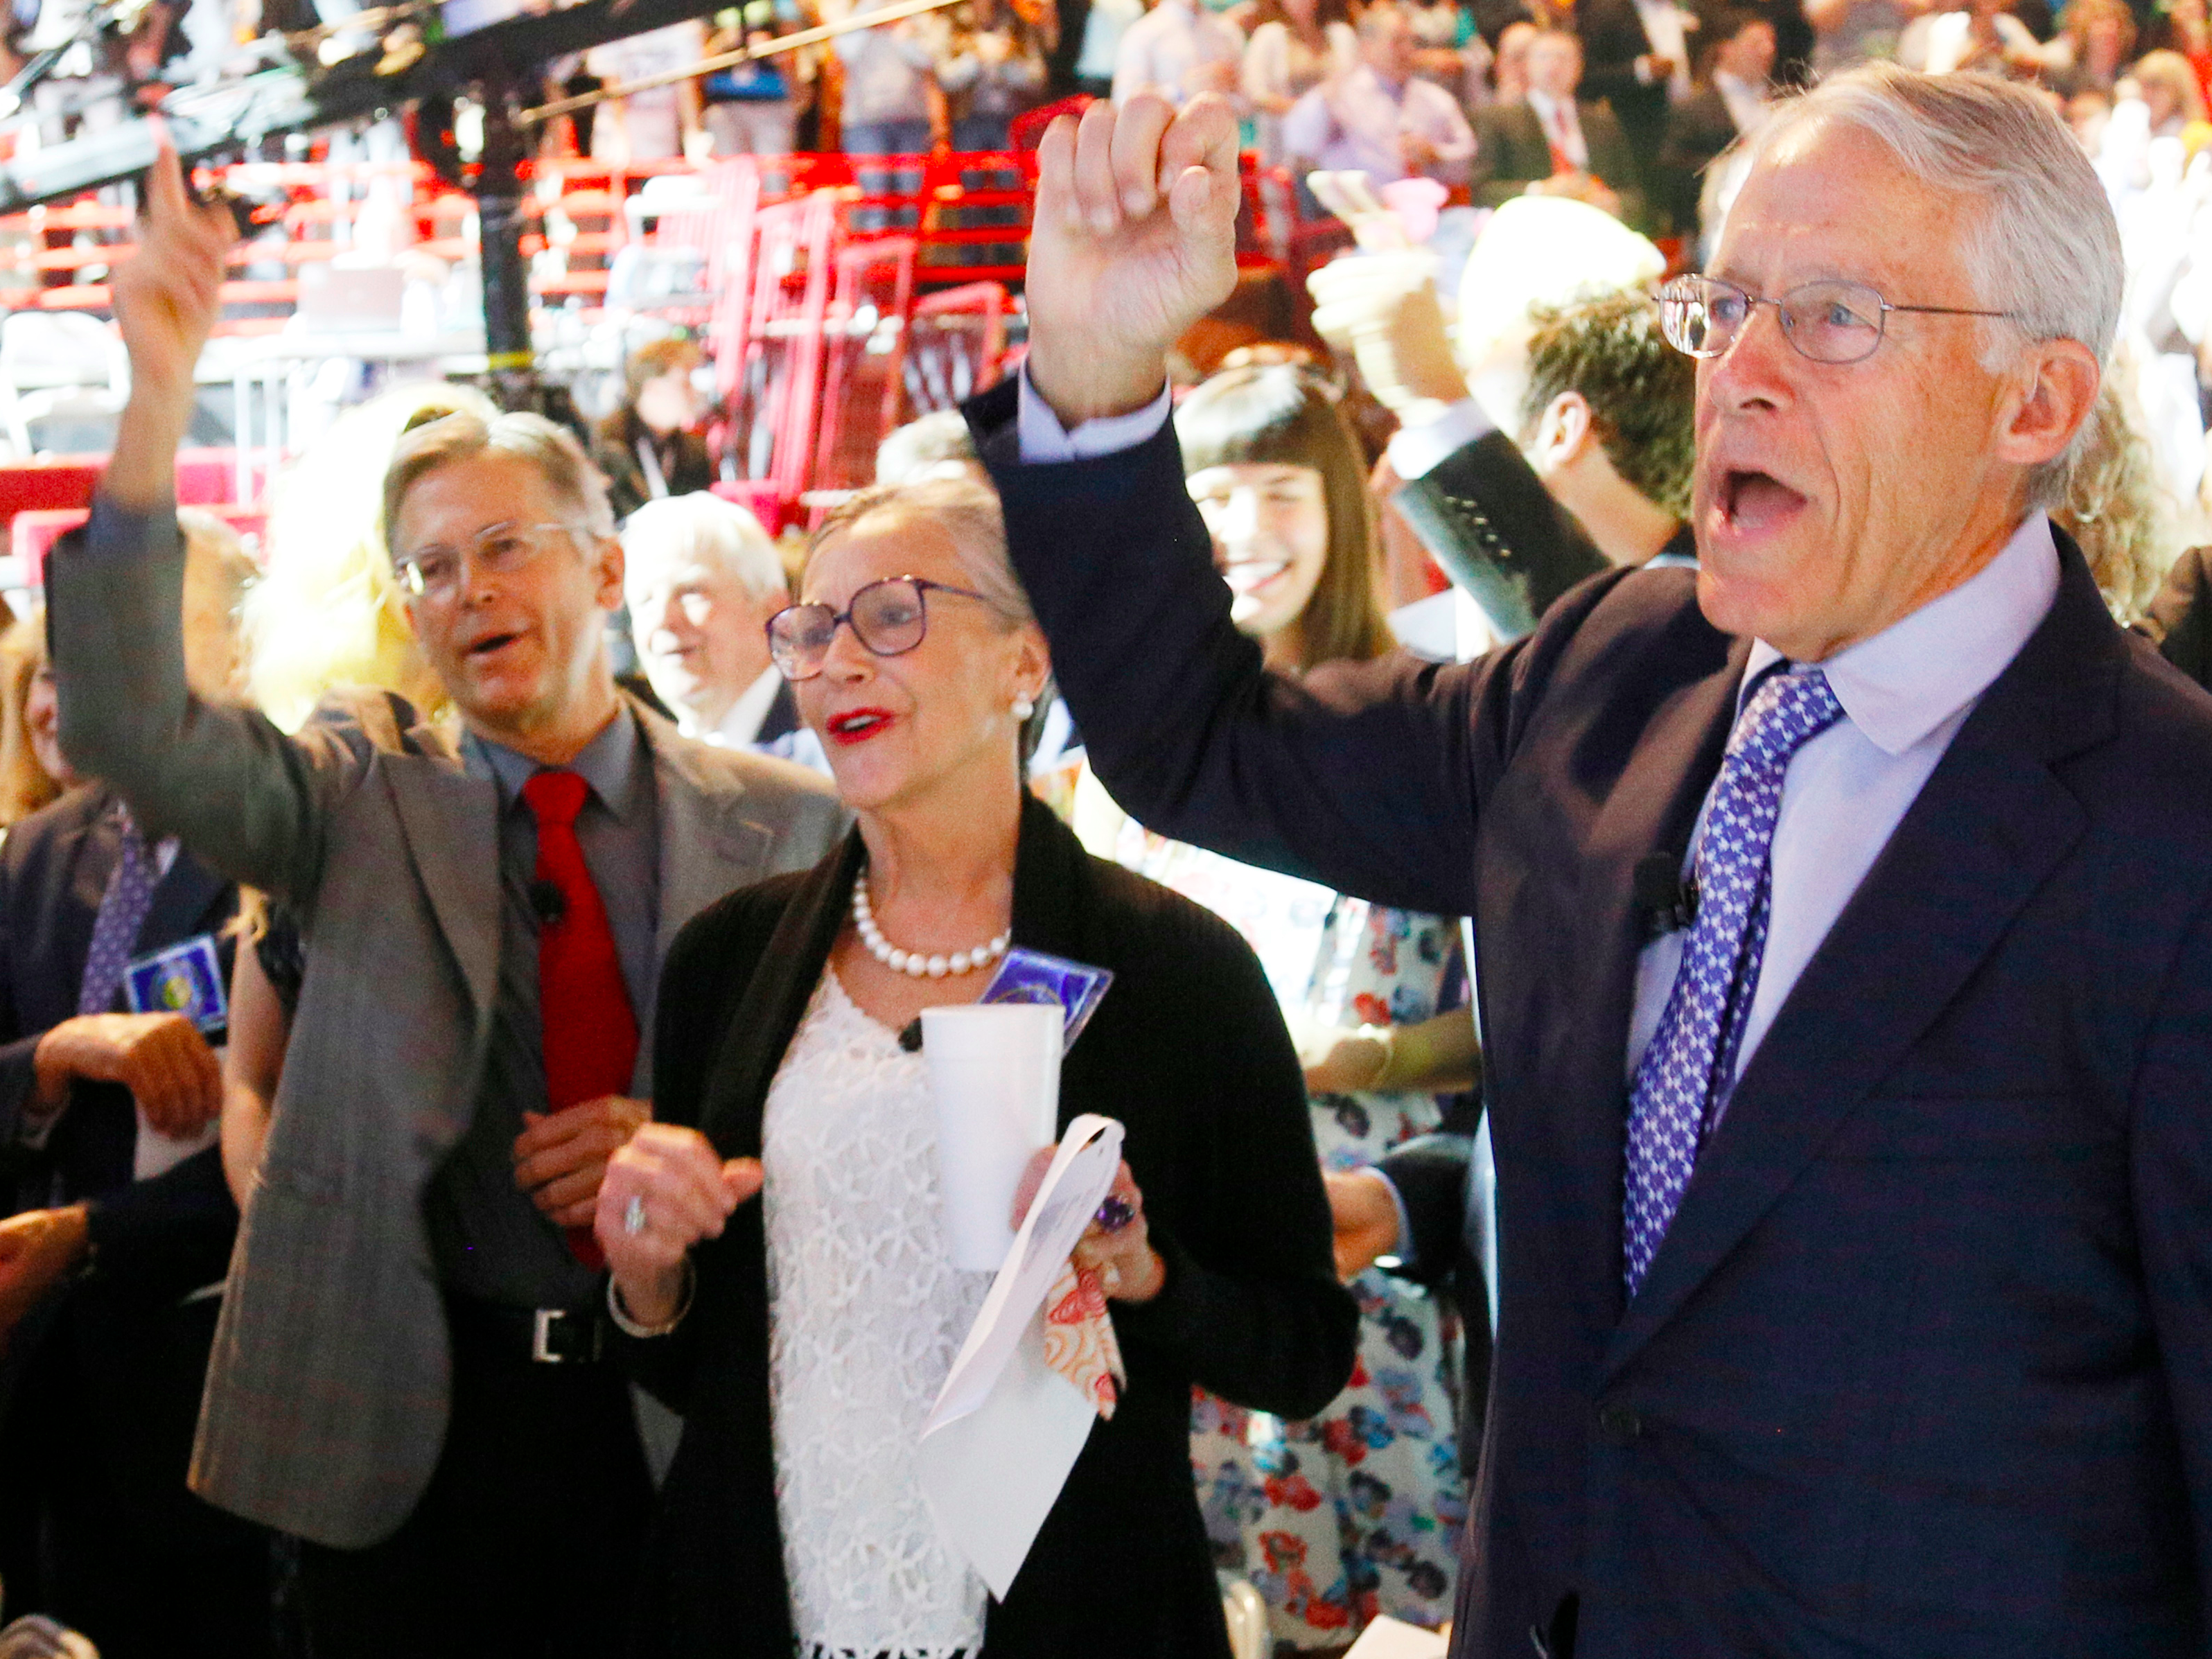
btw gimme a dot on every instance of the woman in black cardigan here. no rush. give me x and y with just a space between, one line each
1223 1275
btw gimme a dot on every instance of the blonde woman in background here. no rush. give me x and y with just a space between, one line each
32 769
2168 88
2124 520
328 612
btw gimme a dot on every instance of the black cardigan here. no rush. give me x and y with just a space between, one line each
1188 1052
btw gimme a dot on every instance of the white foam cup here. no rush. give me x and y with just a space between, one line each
994 1080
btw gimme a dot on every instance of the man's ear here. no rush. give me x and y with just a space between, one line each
608 563
2056 392
1562 435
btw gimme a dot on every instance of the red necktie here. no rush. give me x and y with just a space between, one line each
588 1028
1556 136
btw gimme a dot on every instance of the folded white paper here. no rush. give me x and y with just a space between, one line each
1007 1430
1386 1638
155 1153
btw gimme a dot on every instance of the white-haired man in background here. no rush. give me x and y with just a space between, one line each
1845 904
702 578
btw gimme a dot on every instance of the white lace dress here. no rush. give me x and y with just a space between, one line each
865 1314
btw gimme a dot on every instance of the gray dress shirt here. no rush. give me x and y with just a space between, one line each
490 1240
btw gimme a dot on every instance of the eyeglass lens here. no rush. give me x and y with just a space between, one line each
1830 322
886 616
433 571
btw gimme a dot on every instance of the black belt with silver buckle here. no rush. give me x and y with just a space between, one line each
546 1336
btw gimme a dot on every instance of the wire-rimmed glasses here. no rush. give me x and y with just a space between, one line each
1831 321
890 617
433 573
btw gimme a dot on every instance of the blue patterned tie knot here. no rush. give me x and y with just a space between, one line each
1683 1080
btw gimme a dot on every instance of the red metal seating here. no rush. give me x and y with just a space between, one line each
958 344
66 481
32 534
874 302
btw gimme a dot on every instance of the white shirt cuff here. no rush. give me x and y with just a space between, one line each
1415 451
1044 439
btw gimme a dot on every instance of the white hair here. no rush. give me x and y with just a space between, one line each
935 439
2046 248
705 526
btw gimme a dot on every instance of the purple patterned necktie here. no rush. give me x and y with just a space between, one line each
123 910
1683 1080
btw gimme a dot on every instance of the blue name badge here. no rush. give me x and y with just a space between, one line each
185 979
1033 976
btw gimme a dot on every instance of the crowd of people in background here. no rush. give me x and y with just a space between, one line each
1673 78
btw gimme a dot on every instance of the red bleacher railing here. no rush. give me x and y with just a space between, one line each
969 213
815 272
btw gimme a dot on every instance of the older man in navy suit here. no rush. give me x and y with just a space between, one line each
1845 906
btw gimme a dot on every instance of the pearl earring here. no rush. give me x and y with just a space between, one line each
1023 708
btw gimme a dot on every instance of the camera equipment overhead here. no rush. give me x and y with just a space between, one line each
382 60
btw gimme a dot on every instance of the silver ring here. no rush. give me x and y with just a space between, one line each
633 1216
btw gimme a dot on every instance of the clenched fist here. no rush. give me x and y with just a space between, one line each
1134 240
665 1191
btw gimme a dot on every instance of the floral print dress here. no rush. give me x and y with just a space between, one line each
1357 1511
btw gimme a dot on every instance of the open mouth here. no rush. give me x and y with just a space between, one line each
1753 502
491 644
858 725
1250 575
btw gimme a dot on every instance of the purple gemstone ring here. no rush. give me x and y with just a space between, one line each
1116 1213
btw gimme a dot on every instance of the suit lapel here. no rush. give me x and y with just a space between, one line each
1986 831
708 847
451 824
709 843
86 855
1653 808
83 861
190 901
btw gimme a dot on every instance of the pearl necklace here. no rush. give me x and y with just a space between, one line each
913 962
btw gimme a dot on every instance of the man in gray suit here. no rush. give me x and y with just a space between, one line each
406 1373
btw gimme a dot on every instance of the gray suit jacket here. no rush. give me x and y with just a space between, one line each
327 1392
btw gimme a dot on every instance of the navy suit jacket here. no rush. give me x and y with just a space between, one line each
166 1237
100 1387
1925 1365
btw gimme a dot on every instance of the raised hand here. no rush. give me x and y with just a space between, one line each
1134 240
166 296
